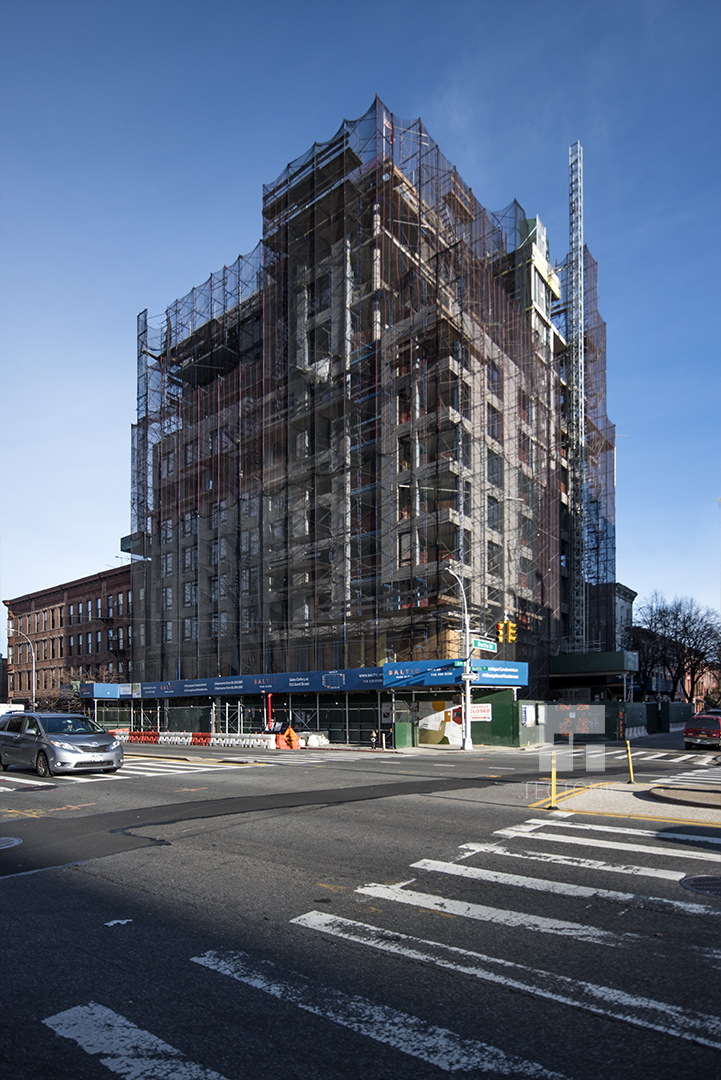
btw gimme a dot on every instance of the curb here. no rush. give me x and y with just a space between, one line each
659 794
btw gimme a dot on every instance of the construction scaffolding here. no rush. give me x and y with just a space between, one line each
373 398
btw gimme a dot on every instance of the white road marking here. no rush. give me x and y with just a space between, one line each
12 779
658 834
697 776
501 917
571 860
409 1034
561 888
602 1000
128 1050
615 845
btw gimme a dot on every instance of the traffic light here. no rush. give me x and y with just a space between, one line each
511 631
499 629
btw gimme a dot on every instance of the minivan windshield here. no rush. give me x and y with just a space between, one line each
70 725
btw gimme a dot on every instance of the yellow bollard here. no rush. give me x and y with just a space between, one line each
630 763
553 781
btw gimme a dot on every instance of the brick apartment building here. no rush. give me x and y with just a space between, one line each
80 630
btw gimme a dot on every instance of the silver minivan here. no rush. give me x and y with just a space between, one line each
57 743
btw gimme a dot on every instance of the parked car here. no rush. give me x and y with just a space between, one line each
704 729
57 743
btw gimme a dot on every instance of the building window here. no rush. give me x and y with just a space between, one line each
45 620
70 645
167 630
90 643
99 641
494 379
166 531
99 608
168 597
70 615
190 629
11 653
190 594
167 569
493 517
495 558
190 558
120 605
404 549
494 422
495 469
214 588
405 454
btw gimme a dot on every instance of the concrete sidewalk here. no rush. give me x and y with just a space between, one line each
698 806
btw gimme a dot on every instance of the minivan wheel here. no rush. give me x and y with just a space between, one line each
3 766
42 765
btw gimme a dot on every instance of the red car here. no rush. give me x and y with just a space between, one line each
703 730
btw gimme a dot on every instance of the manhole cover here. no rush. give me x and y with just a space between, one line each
8 841
709 886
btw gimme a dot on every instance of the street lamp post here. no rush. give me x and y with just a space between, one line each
32 654
466 739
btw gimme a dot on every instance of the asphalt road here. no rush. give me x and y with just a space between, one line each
330 913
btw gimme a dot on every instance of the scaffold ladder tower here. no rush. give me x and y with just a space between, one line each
577 403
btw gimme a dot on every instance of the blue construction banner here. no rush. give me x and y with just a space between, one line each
450 672
416 673
288 682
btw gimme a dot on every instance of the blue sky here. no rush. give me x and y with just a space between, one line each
134 141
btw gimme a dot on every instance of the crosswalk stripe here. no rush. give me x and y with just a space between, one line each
615 845
402 1031
603 1000
561 888
127 1050
501 917
22 780
659 834
571 860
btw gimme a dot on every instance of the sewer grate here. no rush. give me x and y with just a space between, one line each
709 886
9 841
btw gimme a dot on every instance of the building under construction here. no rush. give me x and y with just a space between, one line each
394 390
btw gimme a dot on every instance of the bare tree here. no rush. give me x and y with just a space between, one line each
684 637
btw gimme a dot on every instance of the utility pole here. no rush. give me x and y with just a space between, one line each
32 654
466 738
